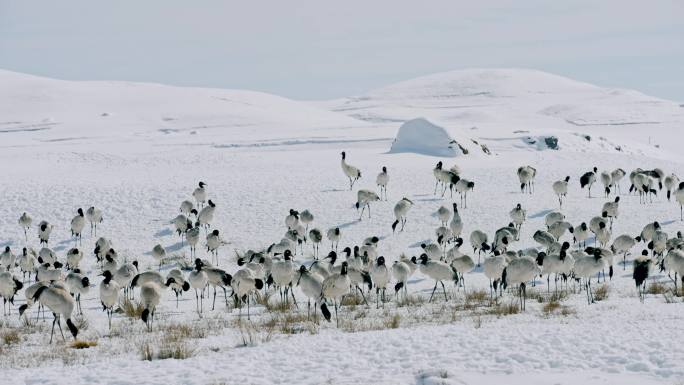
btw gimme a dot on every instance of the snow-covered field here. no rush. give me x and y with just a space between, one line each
136 151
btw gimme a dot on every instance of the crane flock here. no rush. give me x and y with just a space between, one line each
562 253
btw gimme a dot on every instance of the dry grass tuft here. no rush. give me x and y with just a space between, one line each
411 301
279 306
352 300
392 322
551 307
558 296
477 296
504 309
601 293
130 309
166 350
178 332
11 337
83 344
555 307
475 299
656 288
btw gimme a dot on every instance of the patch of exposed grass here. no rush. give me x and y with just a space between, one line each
601 293
176 351
551 307
411 301
352 300
253 333
166 350
475 299
279 306
178 332
83 344
555 307
10 337
558 296
504 309
656 288
131 309
392 322
263 300
477 296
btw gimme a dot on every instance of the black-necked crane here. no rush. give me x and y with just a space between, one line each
363 199
622 245
109 295
518 215
642 266
200 194
679 196
401 209
60 302
607 182
25 221
334 234
560 188
526 175
380 275
311 285
9 286
316 237
77 225
206 215
150 296
334 288
588 179
586 267
493 267
77 284
439 272
350 171
94 216
518 272
671 183
306 217
382 180
44 231
616 176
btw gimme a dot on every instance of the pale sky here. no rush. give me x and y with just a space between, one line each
318 49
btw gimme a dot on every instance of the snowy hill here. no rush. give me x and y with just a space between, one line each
36 109
514 107
505 110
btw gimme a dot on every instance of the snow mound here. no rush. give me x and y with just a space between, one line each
423 137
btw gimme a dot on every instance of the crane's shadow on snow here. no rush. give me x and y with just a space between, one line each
347 224
541 214
429 199
333 190
163 233
668 222
175 247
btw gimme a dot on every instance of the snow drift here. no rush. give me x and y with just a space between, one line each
423 137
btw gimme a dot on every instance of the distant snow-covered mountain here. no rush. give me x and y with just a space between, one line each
514 106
